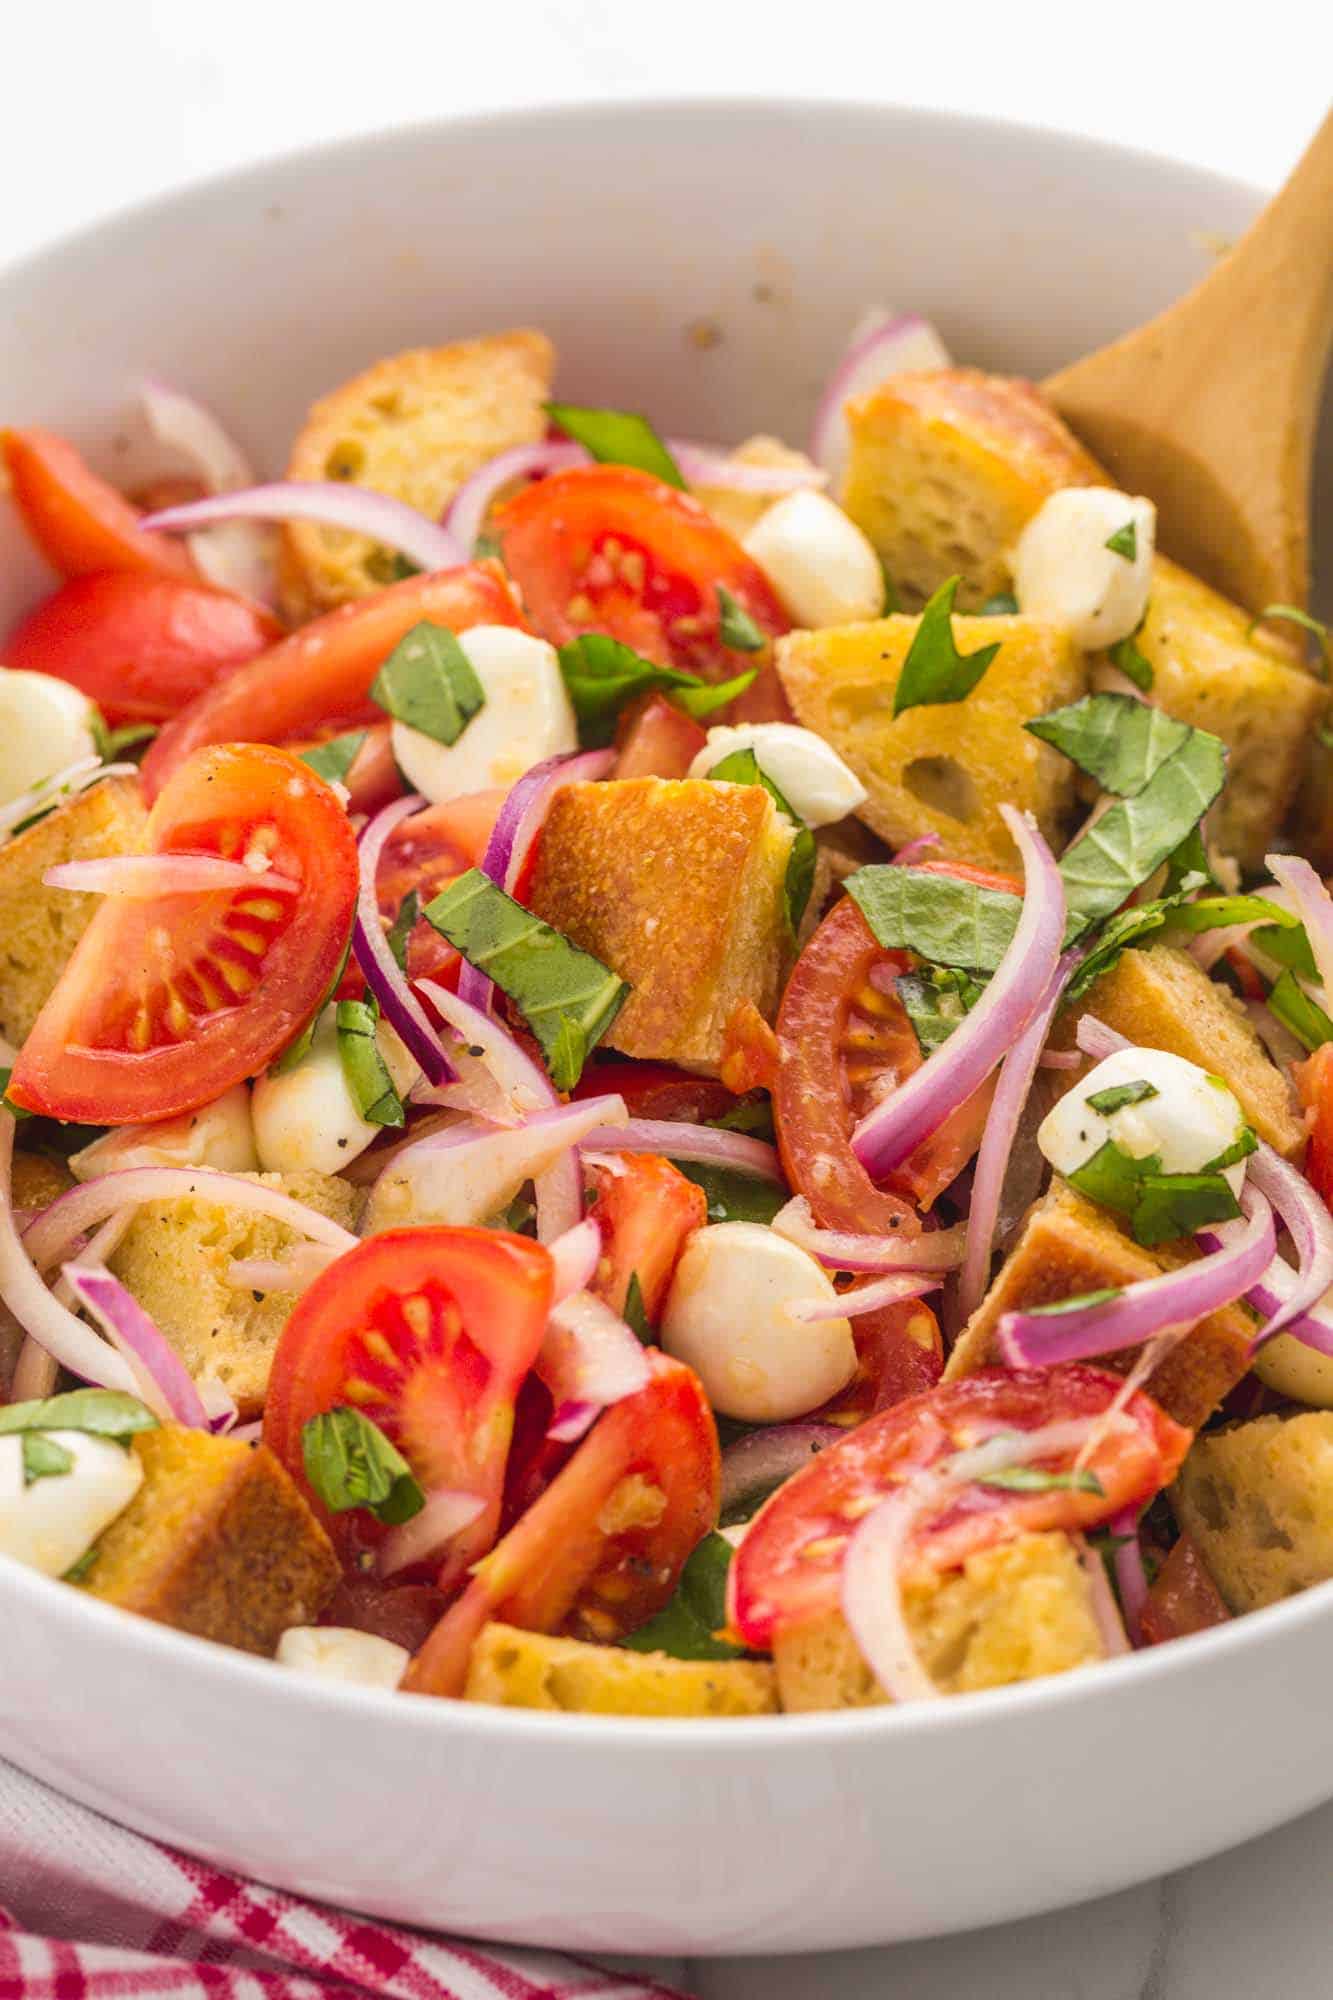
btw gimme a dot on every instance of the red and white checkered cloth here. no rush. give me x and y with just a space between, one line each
90 1911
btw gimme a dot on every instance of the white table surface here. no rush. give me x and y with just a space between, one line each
106 103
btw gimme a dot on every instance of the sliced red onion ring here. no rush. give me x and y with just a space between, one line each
35 1373
148 875
883 344
1097 1040
588 1360
1130 1576
1310 1227
895 1128
468 1172
837 1250
219 1406
188 426
761 1461
333 503
1314 906
1105 1610
428 1534
398 1003
916 850
868 1298
1313 1327
76 777
1275 1035
1060 1059
706 465
164 1382
95 1249
576 1256
293 1273
703 1144
467 511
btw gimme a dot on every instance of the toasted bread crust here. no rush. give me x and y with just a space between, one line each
1257 1499
514 1669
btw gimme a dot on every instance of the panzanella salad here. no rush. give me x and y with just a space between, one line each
652 1078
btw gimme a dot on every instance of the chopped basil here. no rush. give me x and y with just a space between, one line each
113 743
687 1627
1117 1095
1132 839
1120 742
1132 663
617 437
1188 868
742 767
1286 945
732 1196
43 1458
1305 1018
1159 1207
364 1069
350 1463
601 676
107 1413
892 601
1127 927
487 548
1003 605
1101 1297
1244 1143
334 759
1125 541
751 1115
934 670
567 997
935 1000
78 1572
429 683
941 918
735 627
402 927
1112 1177
1031 1479
635 1314
19 1111
297 1051
1293 615
1212 913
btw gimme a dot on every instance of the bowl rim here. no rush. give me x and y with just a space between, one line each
256 1678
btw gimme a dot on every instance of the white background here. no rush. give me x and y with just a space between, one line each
108 100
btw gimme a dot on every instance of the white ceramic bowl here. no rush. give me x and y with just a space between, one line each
626 232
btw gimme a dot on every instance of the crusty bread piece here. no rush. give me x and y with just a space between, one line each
738 512
1012 1613
1258 1501
174 1258
1160 998
414 425
945 768
947 467
1069 1246
218 1541
678 885
39 927
514 1669
36 1181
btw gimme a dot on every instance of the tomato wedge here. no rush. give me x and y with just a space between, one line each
657 1090
899 1353
141 645
602 1547
429 1333
78 521
169 1001
606 548
1314 1080
645 1208
321 675
788 1569
657 740
1182 1598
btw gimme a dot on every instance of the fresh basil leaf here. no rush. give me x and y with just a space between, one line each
935 1000
107 1413
687 1627
112 744
1172 1205
1125 541
1132 663
1117 1095
1293 615
1127 927
1003 605
617 437
1120 742
742 767
1132 839
520 1217
18 1111
297 1051
602 676
429 683
43 1458
1245 1142
734 1197
567 997
943 919
1031 1479
334 759
735 627
1305 1018
78 1572
487 548
1101 1297
1188 868
402 928
1286 945
1113 1177
707 697
1212 913
364 1069
350 1463
635 1314
892 601
752 1115
934 670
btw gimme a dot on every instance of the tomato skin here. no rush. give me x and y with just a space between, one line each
1182 1598
646 1210
788 1568
139 644
606 548
559 1567
1314 1080
443 1380
657 1090
78 521
899 1353
320 676
963 871
750 1059
657 740
218 983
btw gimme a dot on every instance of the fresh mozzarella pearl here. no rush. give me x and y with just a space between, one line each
822 567
306 1119
811 777
527 718
219 1135
1064 571
339 1653
729 1316
54 1521
45 724
1192 1118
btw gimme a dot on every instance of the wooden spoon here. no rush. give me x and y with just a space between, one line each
1211 408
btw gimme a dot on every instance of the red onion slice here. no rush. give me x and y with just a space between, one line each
703 1144
868 1298
915 850
186 425
164 1382
706 465
1105 1610
1097 1040
468 1172
884 344
145 876
1310 1227
334 504
1314 906
398 1004
75 778
588 1360
428 1534
575 1256
293 1273
895 1128
838 1250
1130 1576
757 1464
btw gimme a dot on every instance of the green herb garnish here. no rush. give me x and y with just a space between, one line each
635 1314
1125 541
1101 1297
1159 1207
1293 615
1304 1017
1120 742
107 1413
1117 1095
1003 605
1030 1479
936 999
113 743
364 1069
943 919
742 767
735 627
429 683
687 1627
934 670
402 927
734 1197
43 1458
617 437
1133 664
602 676
334 759
350 1463
1132 839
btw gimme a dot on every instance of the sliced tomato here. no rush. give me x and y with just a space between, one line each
78 521
141 644
1314 1080
788 1569
749 1051
657 740
603 1546
605 548
168 1002
646 1209
899 1353
429 1333
424 854
657 1090
1182 1598
319 677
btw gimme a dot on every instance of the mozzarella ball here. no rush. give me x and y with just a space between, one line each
812 778
729 1316
340 1653
1064 571
1290 1368
306 1119
1190 1118
50 1522
527 718
821 566
45 724
218 1135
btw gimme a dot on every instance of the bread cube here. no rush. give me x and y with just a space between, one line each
514 1669
414 425
677 884
39 927
948 767
218 1541
1015 1612
1069 1246
1257 1499
1160 998
738 511
175 1256
35 1182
